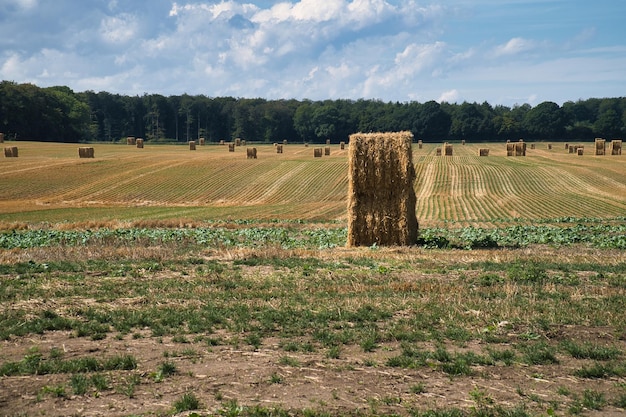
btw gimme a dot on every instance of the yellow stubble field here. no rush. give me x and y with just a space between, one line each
48 182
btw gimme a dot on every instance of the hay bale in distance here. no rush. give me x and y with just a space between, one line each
85 152
438 151
130 140
1 137
580 151
447 149
285 142
600 146
342 145
10 152
327 151
231 147
317 152
510 149
483 152
532 146
549 146
238 142
279 148
251 153
139 142
192 145
420 144
616 147
381 194
520 149
202 141
328 141
463 142
222 143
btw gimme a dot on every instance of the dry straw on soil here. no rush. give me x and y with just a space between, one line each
251 153
10 152
192 145
140 143
616 147
381 197
600 146
85 152
317 152
483 152
327 151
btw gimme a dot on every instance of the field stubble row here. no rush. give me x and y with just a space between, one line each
462 188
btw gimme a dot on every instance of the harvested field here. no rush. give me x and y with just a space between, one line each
47 180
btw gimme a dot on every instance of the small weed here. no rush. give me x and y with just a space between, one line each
79 384
333 352
276 378
418 388
188 402
539 354
289 361
593 400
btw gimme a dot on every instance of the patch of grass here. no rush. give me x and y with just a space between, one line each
188 402
539 353
79 383
593 400
602 370
590 351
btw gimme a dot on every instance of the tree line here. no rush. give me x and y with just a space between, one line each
29 112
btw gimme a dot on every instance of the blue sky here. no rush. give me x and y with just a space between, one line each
500 51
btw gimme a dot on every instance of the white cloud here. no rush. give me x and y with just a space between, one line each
450 96
118 29
514 47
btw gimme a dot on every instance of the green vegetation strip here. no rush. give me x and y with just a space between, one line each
609 235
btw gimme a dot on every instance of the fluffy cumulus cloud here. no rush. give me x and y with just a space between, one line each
384 49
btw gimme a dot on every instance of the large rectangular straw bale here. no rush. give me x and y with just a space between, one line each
285 142
327 151
447 149
600 146
420 144
571 148
381 197
10 152
238 142
616 147
1 137
580 151
202 141
317 152
251 153
139 143
520 149
222 143
279 148
192 145
231 147
130 140
510 149
85 152
342 145
483 152
328 141
438 151
549 146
